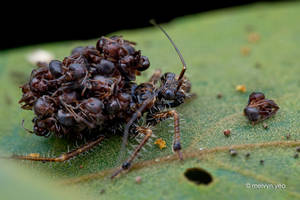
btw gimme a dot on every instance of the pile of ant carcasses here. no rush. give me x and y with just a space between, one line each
88 91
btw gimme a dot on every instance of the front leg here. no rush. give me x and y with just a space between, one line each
127 164
148 133
176 143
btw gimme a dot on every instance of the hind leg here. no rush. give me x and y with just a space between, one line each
63 157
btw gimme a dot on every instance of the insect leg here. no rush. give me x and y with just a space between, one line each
62 157
127 164
155 76
268 114
176 142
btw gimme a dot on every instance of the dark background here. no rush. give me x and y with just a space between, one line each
50 21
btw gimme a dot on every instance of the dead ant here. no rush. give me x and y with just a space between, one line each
93 90
259 108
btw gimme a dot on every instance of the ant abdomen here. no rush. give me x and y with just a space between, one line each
77 71
55 68
105 67
65 118
93 105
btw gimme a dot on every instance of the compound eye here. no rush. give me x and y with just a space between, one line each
55 68
252 113
169 94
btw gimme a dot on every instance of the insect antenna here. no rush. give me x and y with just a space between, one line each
26 129
152 21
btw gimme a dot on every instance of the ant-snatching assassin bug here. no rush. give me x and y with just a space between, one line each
92 94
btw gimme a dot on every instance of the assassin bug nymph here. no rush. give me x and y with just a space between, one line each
92 92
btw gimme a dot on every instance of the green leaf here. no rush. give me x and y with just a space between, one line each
211 44
19 183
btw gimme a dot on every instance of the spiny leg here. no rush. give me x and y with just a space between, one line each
176 143
127 164
62 157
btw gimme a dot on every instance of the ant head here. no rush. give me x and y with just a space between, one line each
43 107
40 128
252 113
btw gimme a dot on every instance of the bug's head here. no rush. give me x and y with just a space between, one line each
169 86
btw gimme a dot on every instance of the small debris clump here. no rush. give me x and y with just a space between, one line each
245 51
227 132
241 88
253 37
261 162
138 179
160 143
102 191
232 152
219 96
40 56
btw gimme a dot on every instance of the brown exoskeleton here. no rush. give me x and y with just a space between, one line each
93 91
259 108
